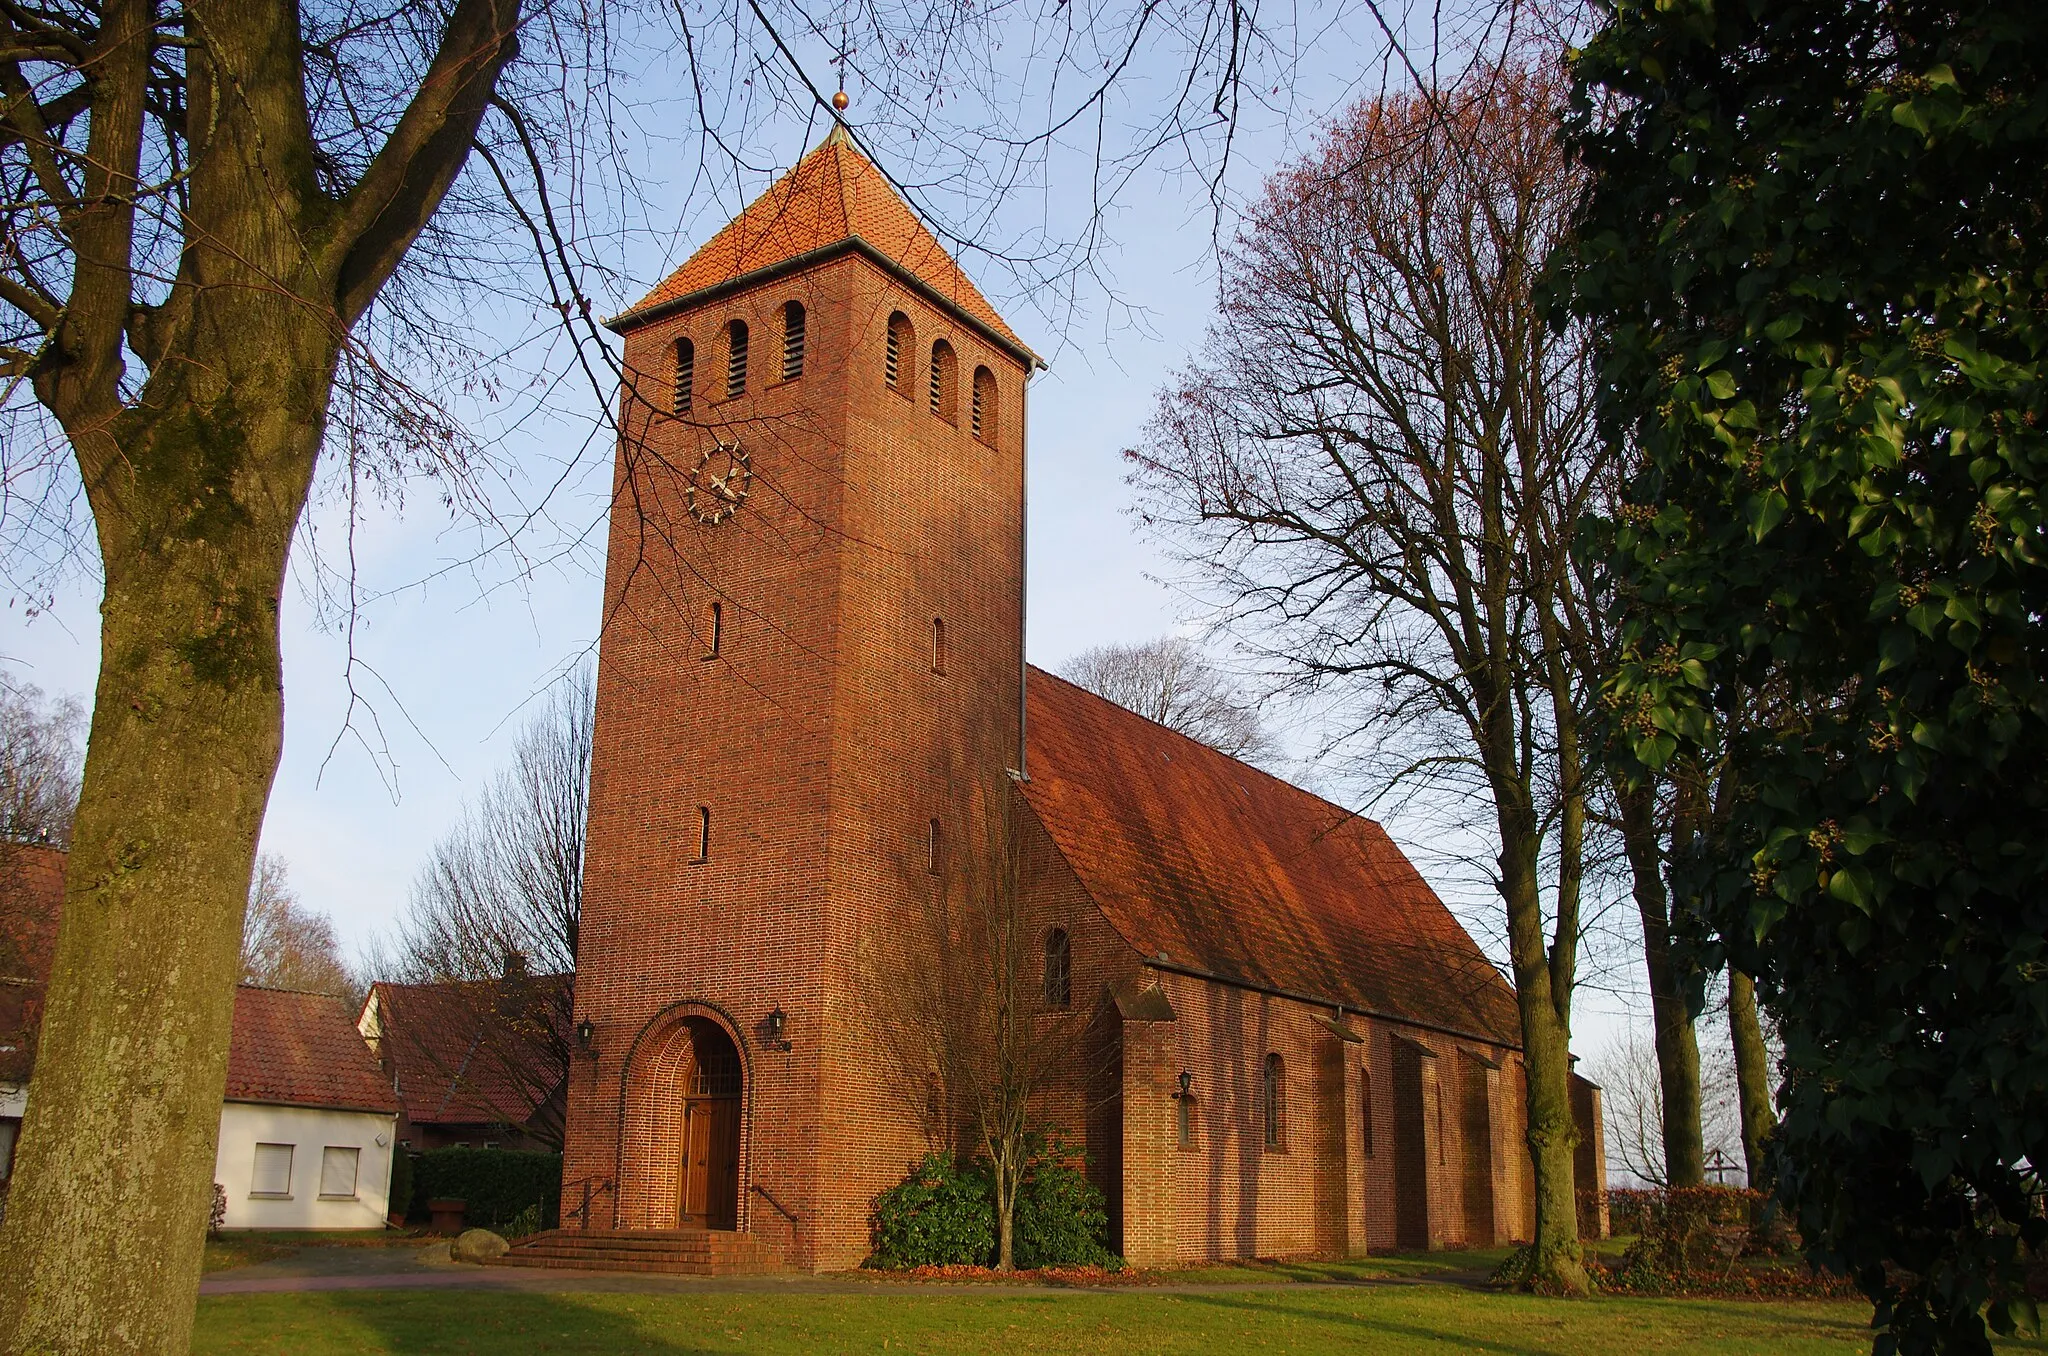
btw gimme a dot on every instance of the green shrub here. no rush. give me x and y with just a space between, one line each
495 1184
942 1214
1061 1219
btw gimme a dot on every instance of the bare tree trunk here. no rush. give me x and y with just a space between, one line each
186 733
1546 1054
1752 1074
1678 1050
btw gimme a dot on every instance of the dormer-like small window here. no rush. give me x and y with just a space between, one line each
902 344
945 379
686 375
735 359
1058 983
984 404
792 340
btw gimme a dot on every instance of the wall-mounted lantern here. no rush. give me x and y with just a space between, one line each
585 1033
775 1028
1186 1081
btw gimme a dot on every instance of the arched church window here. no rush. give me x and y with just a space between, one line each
686 375
1365 1101
1273 1100
945 379
902 344
984 404
792 340
1059 969
735 359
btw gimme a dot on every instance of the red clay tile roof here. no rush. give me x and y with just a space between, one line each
1232 872
458 1061
31 898
834 194
301 1049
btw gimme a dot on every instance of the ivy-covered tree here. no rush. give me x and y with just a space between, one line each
1815 246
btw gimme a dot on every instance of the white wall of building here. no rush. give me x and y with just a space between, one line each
309 1132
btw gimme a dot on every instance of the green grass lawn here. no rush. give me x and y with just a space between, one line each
1393 1320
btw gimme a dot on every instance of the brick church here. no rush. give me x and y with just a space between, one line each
812 709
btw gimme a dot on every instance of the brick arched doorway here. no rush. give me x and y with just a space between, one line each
708 1158
681 1157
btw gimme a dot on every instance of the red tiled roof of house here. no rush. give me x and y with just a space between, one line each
31 899
1229 871
301 1049
834 194
470 1053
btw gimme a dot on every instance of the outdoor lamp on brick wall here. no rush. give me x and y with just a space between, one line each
1186 1080
777 1023
585 1032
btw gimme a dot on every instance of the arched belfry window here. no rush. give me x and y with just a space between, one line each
945 379
902 348
792 340
984 404
1273 1100
1059 969
735 359
686 375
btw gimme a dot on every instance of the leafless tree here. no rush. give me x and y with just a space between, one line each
981 1022
41 753
1169 681
493 920
1631 1080
285 944
1378 470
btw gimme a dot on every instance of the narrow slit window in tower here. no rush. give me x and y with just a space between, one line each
792 340
714 631
703 834
933 851
938 645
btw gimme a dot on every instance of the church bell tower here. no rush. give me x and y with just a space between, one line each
811 667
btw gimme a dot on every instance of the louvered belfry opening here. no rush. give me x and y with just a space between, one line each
902 343
792 340
984 404
943 379
686 375
735 359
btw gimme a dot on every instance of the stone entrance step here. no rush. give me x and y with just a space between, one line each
674 1252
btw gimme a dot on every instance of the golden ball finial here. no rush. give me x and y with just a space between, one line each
840 101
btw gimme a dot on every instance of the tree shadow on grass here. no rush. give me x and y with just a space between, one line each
1462 1338
424 1322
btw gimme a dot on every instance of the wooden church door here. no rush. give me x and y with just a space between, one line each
711 1163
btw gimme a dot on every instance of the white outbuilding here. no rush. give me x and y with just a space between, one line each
309 1123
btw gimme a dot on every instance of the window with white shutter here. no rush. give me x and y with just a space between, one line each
273 1171
338 1171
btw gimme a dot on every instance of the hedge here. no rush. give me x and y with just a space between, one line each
943 1214
503 1189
